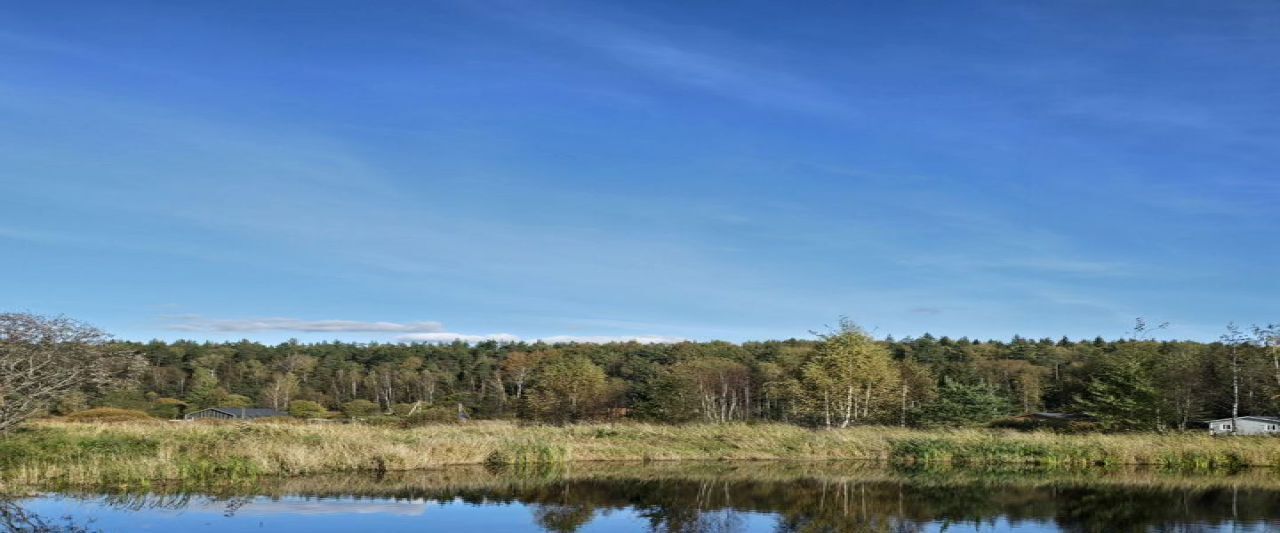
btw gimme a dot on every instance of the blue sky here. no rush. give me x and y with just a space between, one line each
423 171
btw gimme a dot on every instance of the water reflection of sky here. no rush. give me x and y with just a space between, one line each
377 515
349 514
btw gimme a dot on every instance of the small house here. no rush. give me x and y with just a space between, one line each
1245 425
232 413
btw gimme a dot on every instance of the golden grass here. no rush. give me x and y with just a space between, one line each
140 452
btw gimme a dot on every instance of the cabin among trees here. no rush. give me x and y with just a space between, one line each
1245 425
232 413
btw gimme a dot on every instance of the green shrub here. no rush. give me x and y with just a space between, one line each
307 409
359 408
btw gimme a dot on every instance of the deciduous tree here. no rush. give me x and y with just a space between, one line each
43 359
849 377
566 388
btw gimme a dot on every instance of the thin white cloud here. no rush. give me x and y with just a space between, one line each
447 337
429 332
196 323
730 68
1068 266
1055 265
605 339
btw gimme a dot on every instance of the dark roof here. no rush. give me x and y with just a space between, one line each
246 412
1267 419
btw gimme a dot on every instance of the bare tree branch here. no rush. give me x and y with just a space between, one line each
44 358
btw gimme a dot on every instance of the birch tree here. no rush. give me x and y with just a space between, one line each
1235 340
721 388
280 391
519 366
849 376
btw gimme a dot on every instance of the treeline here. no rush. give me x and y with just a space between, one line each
840 379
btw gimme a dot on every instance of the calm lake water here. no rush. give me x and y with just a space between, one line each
685 497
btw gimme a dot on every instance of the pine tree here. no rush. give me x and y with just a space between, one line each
1121 395
959 404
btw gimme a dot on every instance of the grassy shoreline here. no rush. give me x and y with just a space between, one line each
136 453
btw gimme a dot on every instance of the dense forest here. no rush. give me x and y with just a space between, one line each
838 379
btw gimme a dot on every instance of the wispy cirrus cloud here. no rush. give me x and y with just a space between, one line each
605 339
446 337
728 68
429 332
198 323
1039 265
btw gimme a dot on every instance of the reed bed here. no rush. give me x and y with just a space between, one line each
138 453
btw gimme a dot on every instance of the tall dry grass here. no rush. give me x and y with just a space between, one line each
142 452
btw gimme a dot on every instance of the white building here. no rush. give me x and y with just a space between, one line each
1248 425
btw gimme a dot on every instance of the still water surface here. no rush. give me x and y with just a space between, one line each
686 497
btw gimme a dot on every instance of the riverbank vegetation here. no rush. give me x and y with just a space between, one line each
840 379
146 452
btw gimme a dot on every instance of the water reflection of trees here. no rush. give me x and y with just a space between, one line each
563 518
804 497
14 517
811 506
